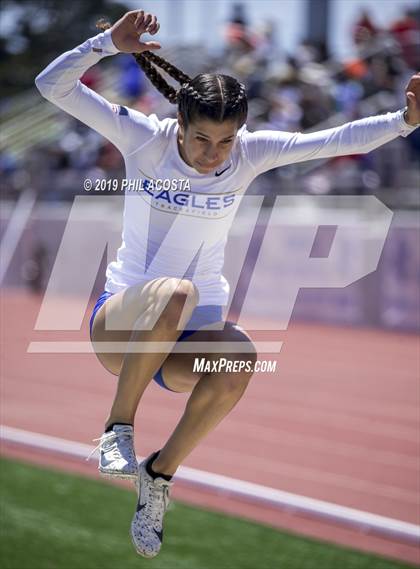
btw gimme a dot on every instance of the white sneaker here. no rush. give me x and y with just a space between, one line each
147 523
117 457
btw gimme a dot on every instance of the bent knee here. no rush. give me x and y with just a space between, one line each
235 345
178 298
179 290
234 376
184 291
241 366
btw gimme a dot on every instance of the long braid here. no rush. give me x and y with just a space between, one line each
169 68
156 78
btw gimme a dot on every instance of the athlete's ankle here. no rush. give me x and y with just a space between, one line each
158 465
109 425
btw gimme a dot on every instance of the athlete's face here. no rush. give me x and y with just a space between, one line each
206 144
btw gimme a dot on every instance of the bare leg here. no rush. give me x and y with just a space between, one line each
137 369
212 398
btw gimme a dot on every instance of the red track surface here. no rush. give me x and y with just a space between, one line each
338 421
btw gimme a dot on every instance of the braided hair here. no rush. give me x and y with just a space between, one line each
208 95
213 96
145 60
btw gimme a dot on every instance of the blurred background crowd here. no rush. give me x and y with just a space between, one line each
306 90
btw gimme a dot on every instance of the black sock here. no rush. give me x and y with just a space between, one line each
150 470
111 426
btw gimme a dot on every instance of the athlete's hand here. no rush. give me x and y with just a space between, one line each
412 93
127 31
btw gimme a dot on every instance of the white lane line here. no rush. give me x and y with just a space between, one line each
292 503
345 483
15 229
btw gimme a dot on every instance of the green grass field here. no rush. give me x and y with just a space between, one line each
51 520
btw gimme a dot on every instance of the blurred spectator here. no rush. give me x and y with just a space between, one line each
238 36
92 78
132 82
239 40
34 268
347 93
364 30
406 31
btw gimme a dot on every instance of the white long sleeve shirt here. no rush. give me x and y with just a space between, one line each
180 233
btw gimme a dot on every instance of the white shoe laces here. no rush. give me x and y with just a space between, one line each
109 437
160 498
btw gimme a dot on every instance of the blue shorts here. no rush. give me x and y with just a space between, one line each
201 316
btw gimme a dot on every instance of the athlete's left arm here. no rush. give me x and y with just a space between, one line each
271 149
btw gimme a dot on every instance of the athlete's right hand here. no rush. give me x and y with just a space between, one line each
127 31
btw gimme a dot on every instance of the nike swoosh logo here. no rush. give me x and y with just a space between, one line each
159 534
223 171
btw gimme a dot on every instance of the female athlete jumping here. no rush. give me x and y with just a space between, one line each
166 283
